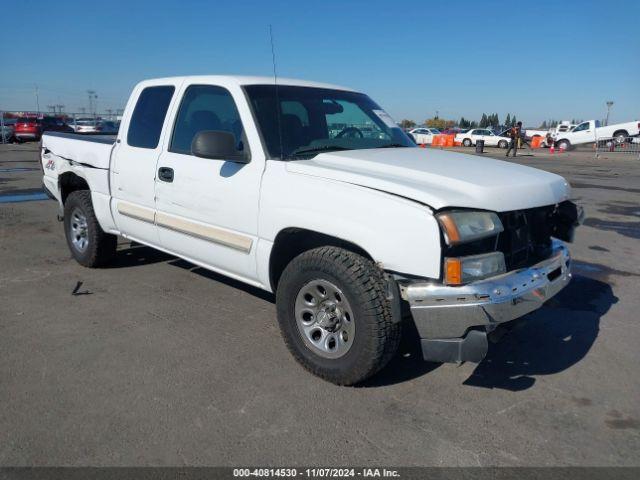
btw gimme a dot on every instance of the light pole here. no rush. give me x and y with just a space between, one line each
609 105
92 106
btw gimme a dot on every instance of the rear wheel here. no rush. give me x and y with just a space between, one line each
564 144
335 316
467 142
621 136
89 244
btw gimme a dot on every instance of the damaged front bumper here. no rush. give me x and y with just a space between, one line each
453 322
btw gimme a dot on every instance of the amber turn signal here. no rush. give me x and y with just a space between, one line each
453 271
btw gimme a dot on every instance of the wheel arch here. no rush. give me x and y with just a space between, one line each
292 241
69 182
619 131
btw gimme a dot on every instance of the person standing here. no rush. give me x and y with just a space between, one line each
514 135
523 137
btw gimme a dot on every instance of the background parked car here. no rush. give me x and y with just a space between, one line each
84 125
424 134
28 128
55 124
470 138
6 130
108 127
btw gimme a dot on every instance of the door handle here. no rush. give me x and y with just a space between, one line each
165 174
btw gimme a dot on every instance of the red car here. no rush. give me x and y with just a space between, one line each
28 128
31 128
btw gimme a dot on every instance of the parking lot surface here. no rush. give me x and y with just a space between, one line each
163 363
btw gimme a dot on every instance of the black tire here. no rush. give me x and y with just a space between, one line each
621 136
376 336
564 144
467 142
100 246
503 144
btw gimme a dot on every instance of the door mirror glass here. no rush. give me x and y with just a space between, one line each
218 145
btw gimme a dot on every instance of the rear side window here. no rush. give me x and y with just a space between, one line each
148 116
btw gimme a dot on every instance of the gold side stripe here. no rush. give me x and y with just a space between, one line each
139 213
205 232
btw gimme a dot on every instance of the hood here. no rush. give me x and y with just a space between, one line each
439 178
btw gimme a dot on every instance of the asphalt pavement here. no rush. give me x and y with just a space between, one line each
158 362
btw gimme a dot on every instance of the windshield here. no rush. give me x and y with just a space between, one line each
316 120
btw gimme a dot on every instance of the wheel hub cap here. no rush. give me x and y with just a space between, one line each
78 230
324 319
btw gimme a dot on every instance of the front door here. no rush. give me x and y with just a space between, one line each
133 168
208 208
583 133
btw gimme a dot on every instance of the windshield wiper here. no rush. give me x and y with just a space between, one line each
324 148
392 145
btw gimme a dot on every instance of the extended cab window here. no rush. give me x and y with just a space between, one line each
205 107
148 116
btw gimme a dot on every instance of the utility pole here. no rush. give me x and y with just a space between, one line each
92 98
109 111
37 99
60 108
52 108
609 105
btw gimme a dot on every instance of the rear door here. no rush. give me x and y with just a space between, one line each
208 208
476 135
134 160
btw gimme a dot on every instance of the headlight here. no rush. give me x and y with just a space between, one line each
460 226
460 270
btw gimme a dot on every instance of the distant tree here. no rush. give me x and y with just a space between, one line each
439 123
484 121
473 124
464 123
507 122
513 121
544 125
407 124
434 123
495 120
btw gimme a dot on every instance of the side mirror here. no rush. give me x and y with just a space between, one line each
218 145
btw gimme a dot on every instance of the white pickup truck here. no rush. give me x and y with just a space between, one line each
591 131
243 177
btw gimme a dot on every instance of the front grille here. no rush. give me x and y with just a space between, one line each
526 239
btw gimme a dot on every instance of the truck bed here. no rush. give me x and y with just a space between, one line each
87 137
79 149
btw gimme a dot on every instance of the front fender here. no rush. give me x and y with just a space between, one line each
399 234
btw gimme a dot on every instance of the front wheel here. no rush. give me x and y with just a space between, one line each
89 244
503 144
564 144
335 315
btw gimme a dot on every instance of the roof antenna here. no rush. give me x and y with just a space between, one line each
275 83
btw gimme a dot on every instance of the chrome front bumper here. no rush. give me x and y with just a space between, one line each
444 314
